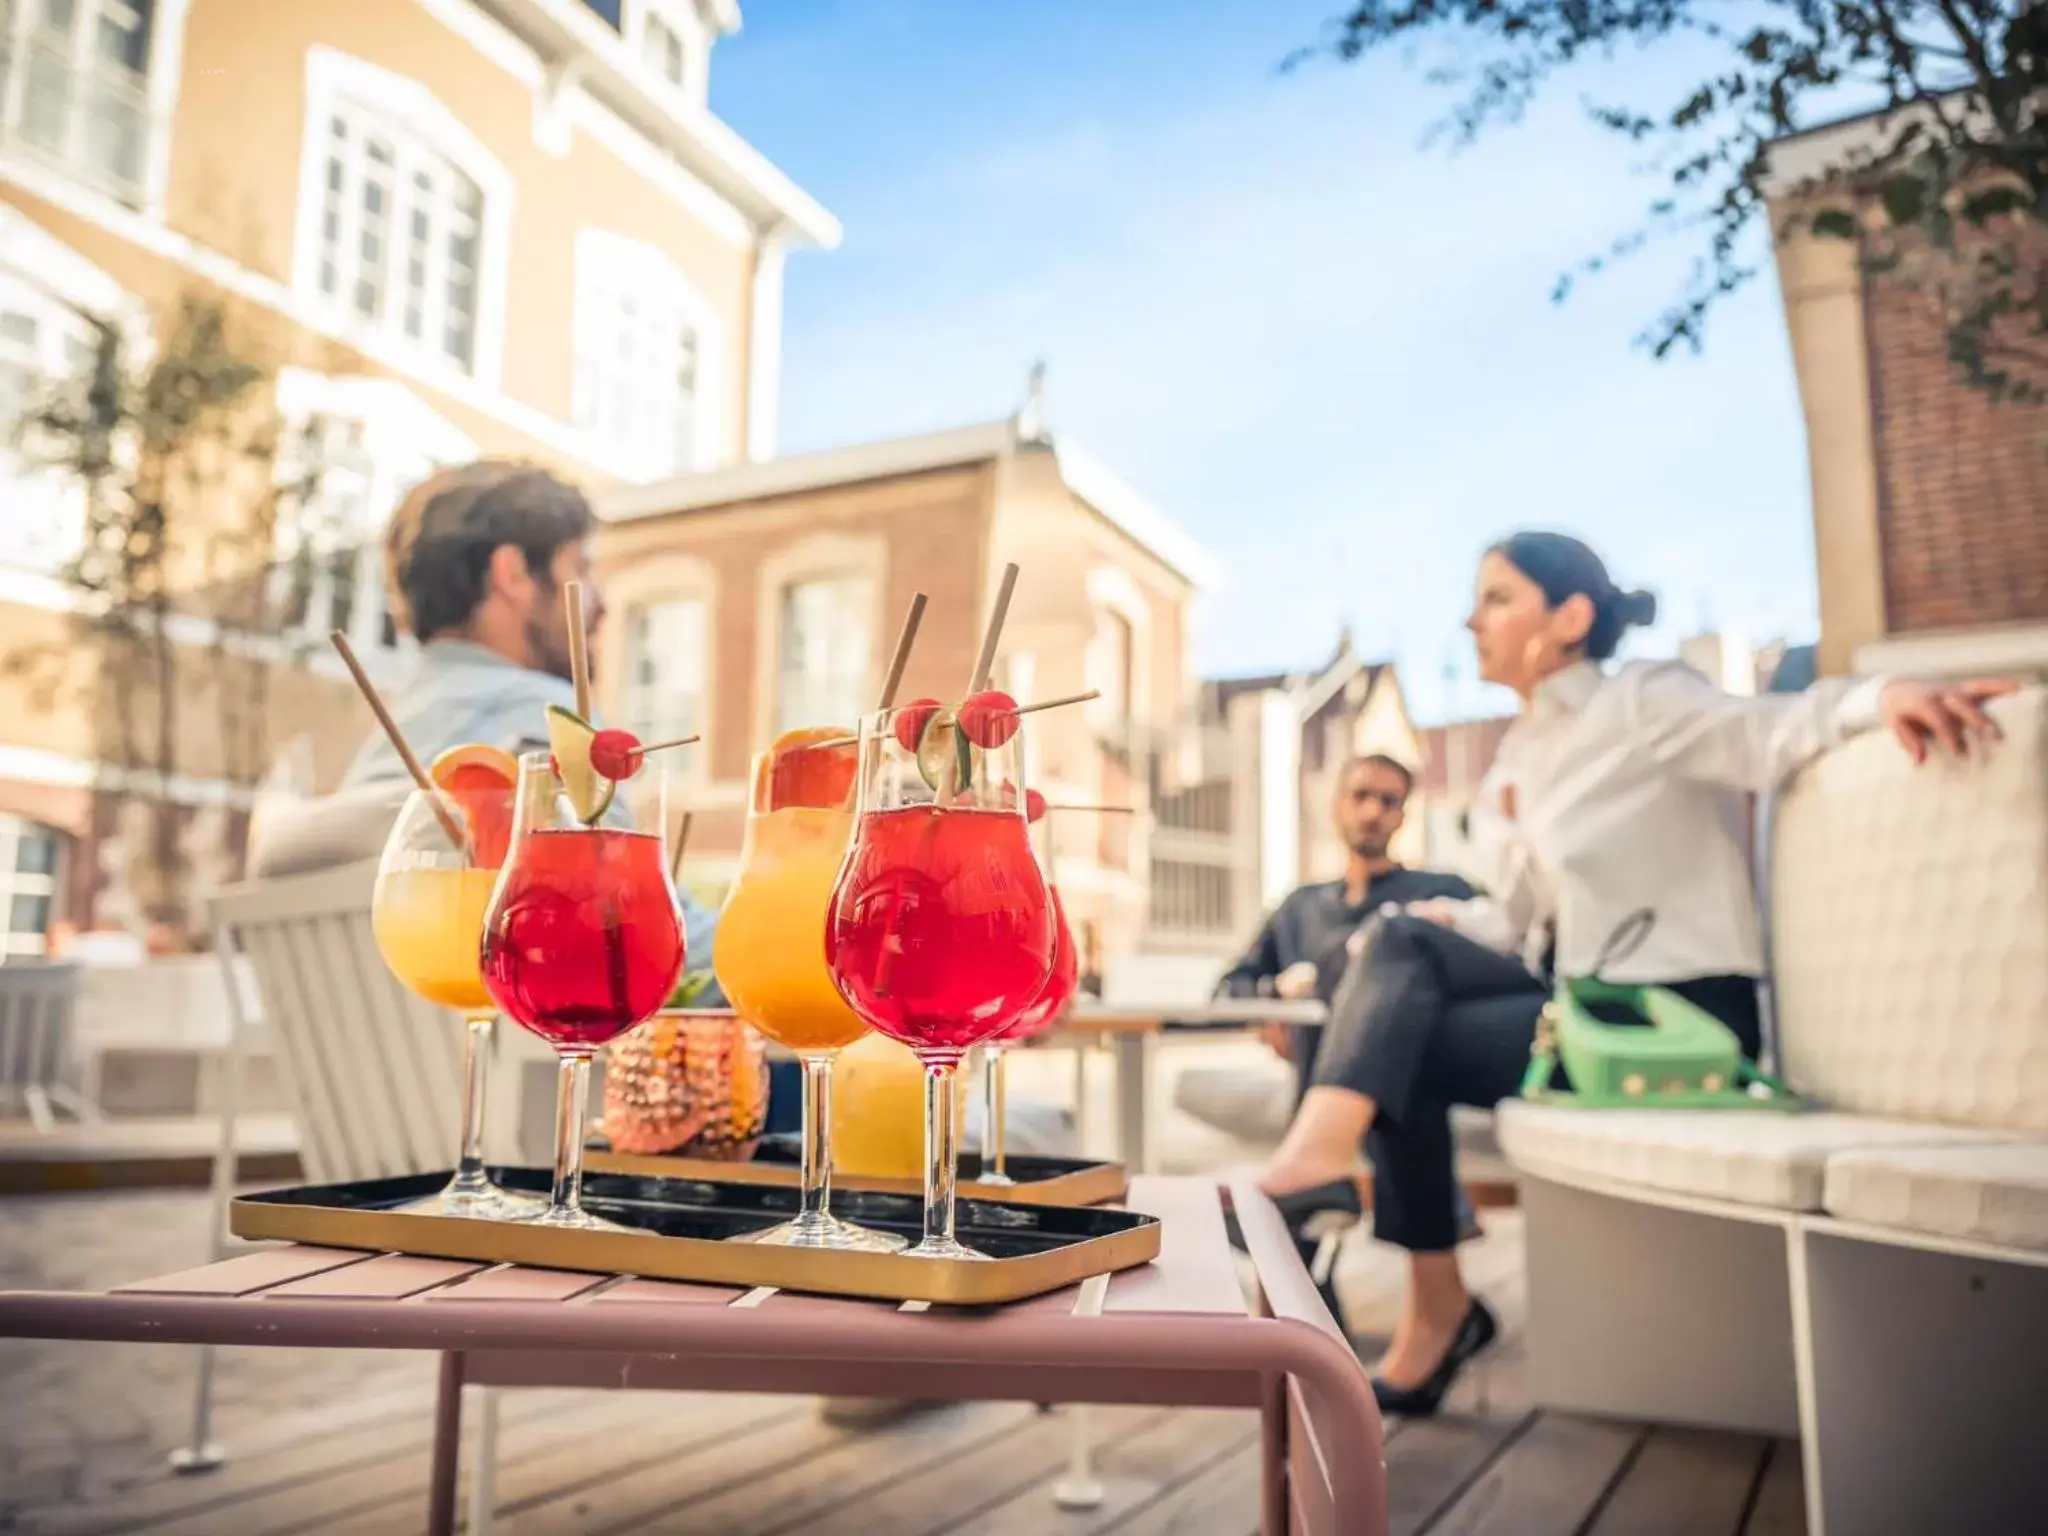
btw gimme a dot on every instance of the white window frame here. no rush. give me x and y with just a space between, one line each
649 711
400 440
337 83
157 84
43 277
606 262
14 831
820 557
682 18
1112 591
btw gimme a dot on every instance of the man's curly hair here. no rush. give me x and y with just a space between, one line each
437 551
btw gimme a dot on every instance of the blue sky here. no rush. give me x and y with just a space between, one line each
1324 349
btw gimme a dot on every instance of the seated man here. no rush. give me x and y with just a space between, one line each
1300 951
477 558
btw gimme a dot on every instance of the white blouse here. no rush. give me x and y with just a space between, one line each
1625 791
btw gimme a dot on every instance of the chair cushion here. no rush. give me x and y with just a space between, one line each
1909 929
1747 1157
1993 1194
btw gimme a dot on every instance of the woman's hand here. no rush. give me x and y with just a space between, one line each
1949 714
1297 981
1440 910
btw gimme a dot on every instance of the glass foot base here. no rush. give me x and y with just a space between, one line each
487 1204
942 1248
575 1219
990 1177
831 1233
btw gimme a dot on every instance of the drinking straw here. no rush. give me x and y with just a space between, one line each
398 742
994 633
675 859
579 656
904 639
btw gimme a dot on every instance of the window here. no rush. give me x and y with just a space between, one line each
661 694
368 442
42 343
76 87
28 884
400 235
607 11
665 51
644 344
823 633
403 229
1110 665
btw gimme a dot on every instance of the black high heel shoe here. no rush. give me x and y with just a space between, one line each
1479 1329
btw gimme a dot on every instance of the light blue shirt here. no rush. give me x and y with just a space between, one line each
461 692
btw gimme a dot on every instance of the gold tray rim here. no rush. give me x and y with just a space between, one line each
744 1266
1093 1184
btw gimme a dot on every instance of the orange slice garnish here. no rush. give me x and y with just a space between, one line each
803 771
480 780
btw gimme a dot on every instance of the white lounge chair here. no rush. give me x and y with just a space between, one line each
1874 1277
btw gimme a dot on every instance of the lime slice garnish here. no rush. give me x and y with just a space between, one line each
940 739
569 737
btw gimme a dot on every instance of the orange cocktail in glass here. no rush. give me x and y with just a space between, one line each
769 952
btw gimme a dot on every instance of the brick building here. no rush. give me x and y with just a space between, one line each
1930 500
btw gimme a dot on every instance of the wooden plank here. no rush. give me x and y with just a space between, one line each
1221 1499
246 1274
362 1433
388 1277
511 1282
759 1482
555 1435
1780 1508
1547 1482
1685 1482
1013 1465
1196 1270
1137 1472
1430 1461
586 1441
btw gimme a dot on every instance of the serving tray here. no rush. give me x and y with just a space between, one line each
1039 1180
680 1230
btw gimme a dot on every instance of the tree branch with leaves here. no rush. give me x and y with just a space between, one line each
1947 192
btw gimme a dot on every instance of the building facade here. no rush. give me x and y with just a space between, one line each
1930 534
767 597
452 227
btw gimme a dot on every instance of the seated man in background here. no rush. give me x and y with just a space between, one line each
476 559
1300 951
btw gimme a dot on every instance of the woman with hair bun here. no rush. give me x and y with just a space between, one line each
1617 792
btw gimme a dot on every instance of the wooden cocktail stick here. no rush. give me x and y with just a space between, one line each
399 744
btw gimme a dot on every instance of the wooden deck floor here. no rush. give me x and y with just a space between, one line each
338 1443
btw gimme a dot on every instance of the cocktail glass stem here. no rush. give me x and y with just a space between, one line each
941 1155
565 1204
470 1181
815 1167
994 1162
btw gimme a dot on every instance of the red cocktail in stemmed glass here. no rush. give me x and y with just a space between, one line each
584 940
1038 1017
940 932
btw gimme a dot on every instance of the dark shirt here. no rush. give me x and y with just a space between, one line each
1314 921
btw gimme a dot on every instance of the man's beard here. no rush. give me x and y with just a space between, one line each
550 655
1372 850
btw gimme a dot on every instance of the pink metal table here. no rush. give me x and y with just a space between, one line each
1175 1332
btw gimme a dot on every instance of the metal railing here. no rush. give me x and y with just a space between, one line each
90 120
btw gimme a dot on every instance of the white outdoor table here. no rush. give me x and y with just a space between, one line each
1131 1032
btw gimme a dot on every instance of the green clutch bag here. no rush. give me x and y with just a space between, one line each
1638 1046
